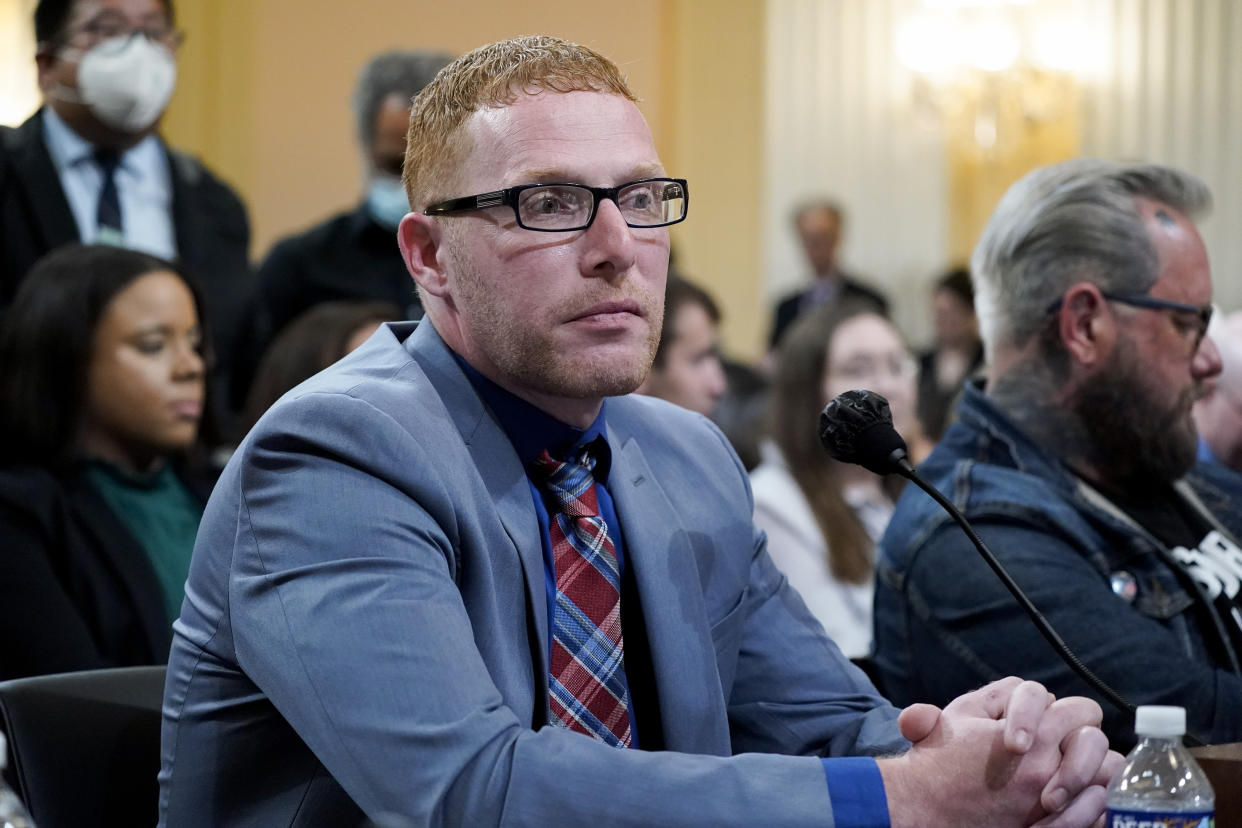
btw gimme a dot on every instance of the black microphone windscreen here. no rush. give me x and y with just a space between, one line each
857 427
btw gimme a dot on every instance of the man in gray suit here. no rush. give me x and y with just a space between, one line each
465 578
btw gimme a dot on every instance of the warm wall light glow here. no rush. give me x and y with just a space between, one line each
19 91
992 45
961 4
997 63
950 37
925 44
1060 45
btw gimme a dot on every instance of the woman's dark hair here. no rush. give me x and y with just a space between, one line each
311 342
797 399
46 338
679 292
957 282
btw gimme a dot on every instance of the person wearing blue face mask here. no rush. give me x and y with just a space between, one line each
352 255
89 166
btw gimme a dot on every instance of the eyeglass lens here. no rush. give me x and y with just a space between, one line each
110 26
563 206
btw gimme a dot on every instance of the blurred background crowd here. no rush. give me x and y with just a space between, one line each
198 203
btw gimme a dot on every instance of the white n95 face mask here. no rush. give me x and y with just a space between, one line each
127 81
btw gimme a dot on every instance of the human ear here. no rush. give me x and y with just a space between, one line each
1086 329
420 238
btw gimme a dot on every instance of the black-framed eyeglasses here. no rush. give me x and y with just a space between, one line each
1202 313
109 26
554 208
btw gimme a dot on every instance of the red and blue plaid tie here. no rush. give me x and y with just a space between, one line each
587 689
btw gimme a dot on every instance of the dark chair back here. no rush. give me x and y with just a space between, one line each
84 748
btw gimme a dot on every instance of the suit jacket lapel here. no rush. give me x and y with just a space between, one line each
33 168
504 480
692 704
188 226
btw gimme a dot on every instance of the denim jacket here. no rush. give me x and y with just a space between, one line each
944 623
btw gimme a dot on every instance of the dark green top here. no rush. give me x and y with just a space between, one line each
162 515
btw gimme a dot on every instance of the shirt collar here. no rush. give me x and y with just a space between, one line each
68 149
532 430
64 145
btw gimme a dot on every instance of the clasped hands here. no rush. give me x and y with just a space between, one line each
1008 754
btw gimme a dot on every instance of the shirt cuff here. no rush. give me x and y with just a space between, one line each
856 791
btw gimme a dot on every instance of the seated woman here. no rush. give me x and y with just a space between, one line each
823 518
101 396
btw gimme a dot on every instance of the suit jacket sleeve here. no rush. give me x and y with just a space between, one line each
793 691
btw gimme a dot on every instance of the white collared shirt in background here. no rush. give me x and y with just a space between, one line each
143 183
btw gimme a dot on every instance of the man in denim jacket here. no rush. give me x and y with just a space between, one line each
1075 460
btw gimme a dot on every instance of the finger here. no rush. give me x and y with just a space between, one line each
1110 768
917 721
1062 718
1074 712
1085 809
988 701
1023 714
1082 756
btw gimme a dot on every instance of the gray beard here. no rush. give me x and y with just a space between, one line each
1113 430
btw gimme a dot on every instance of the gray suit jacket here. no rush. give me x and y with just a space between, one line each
365 627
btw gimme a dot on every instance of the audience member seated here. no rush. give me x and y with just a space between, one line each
101 395
955 355
312 342
351 255
1218 415
90 165
822 518
687 369
1076 464
819 224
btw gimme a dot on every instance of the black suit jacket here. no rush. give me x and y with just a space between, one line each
792 305
346 257
77 590
212 231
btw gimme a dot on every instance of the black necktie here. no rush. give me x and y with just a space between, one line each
108 214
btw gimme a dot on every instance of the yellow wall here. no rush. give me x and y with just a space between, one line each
264 90
263 98
716 123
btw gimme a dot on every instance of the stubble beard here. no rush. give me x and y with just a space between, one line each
525 355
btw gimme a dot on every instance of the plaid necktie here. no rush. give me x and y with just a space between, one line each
108 212
587 690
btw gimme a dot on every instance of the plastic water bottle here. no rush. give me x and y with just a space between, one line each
1160 785
12 811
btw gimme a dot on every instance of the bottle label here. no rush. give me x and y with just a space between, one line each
1155 819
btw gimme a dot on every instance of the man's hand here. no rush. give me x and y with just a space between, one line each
1009 754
